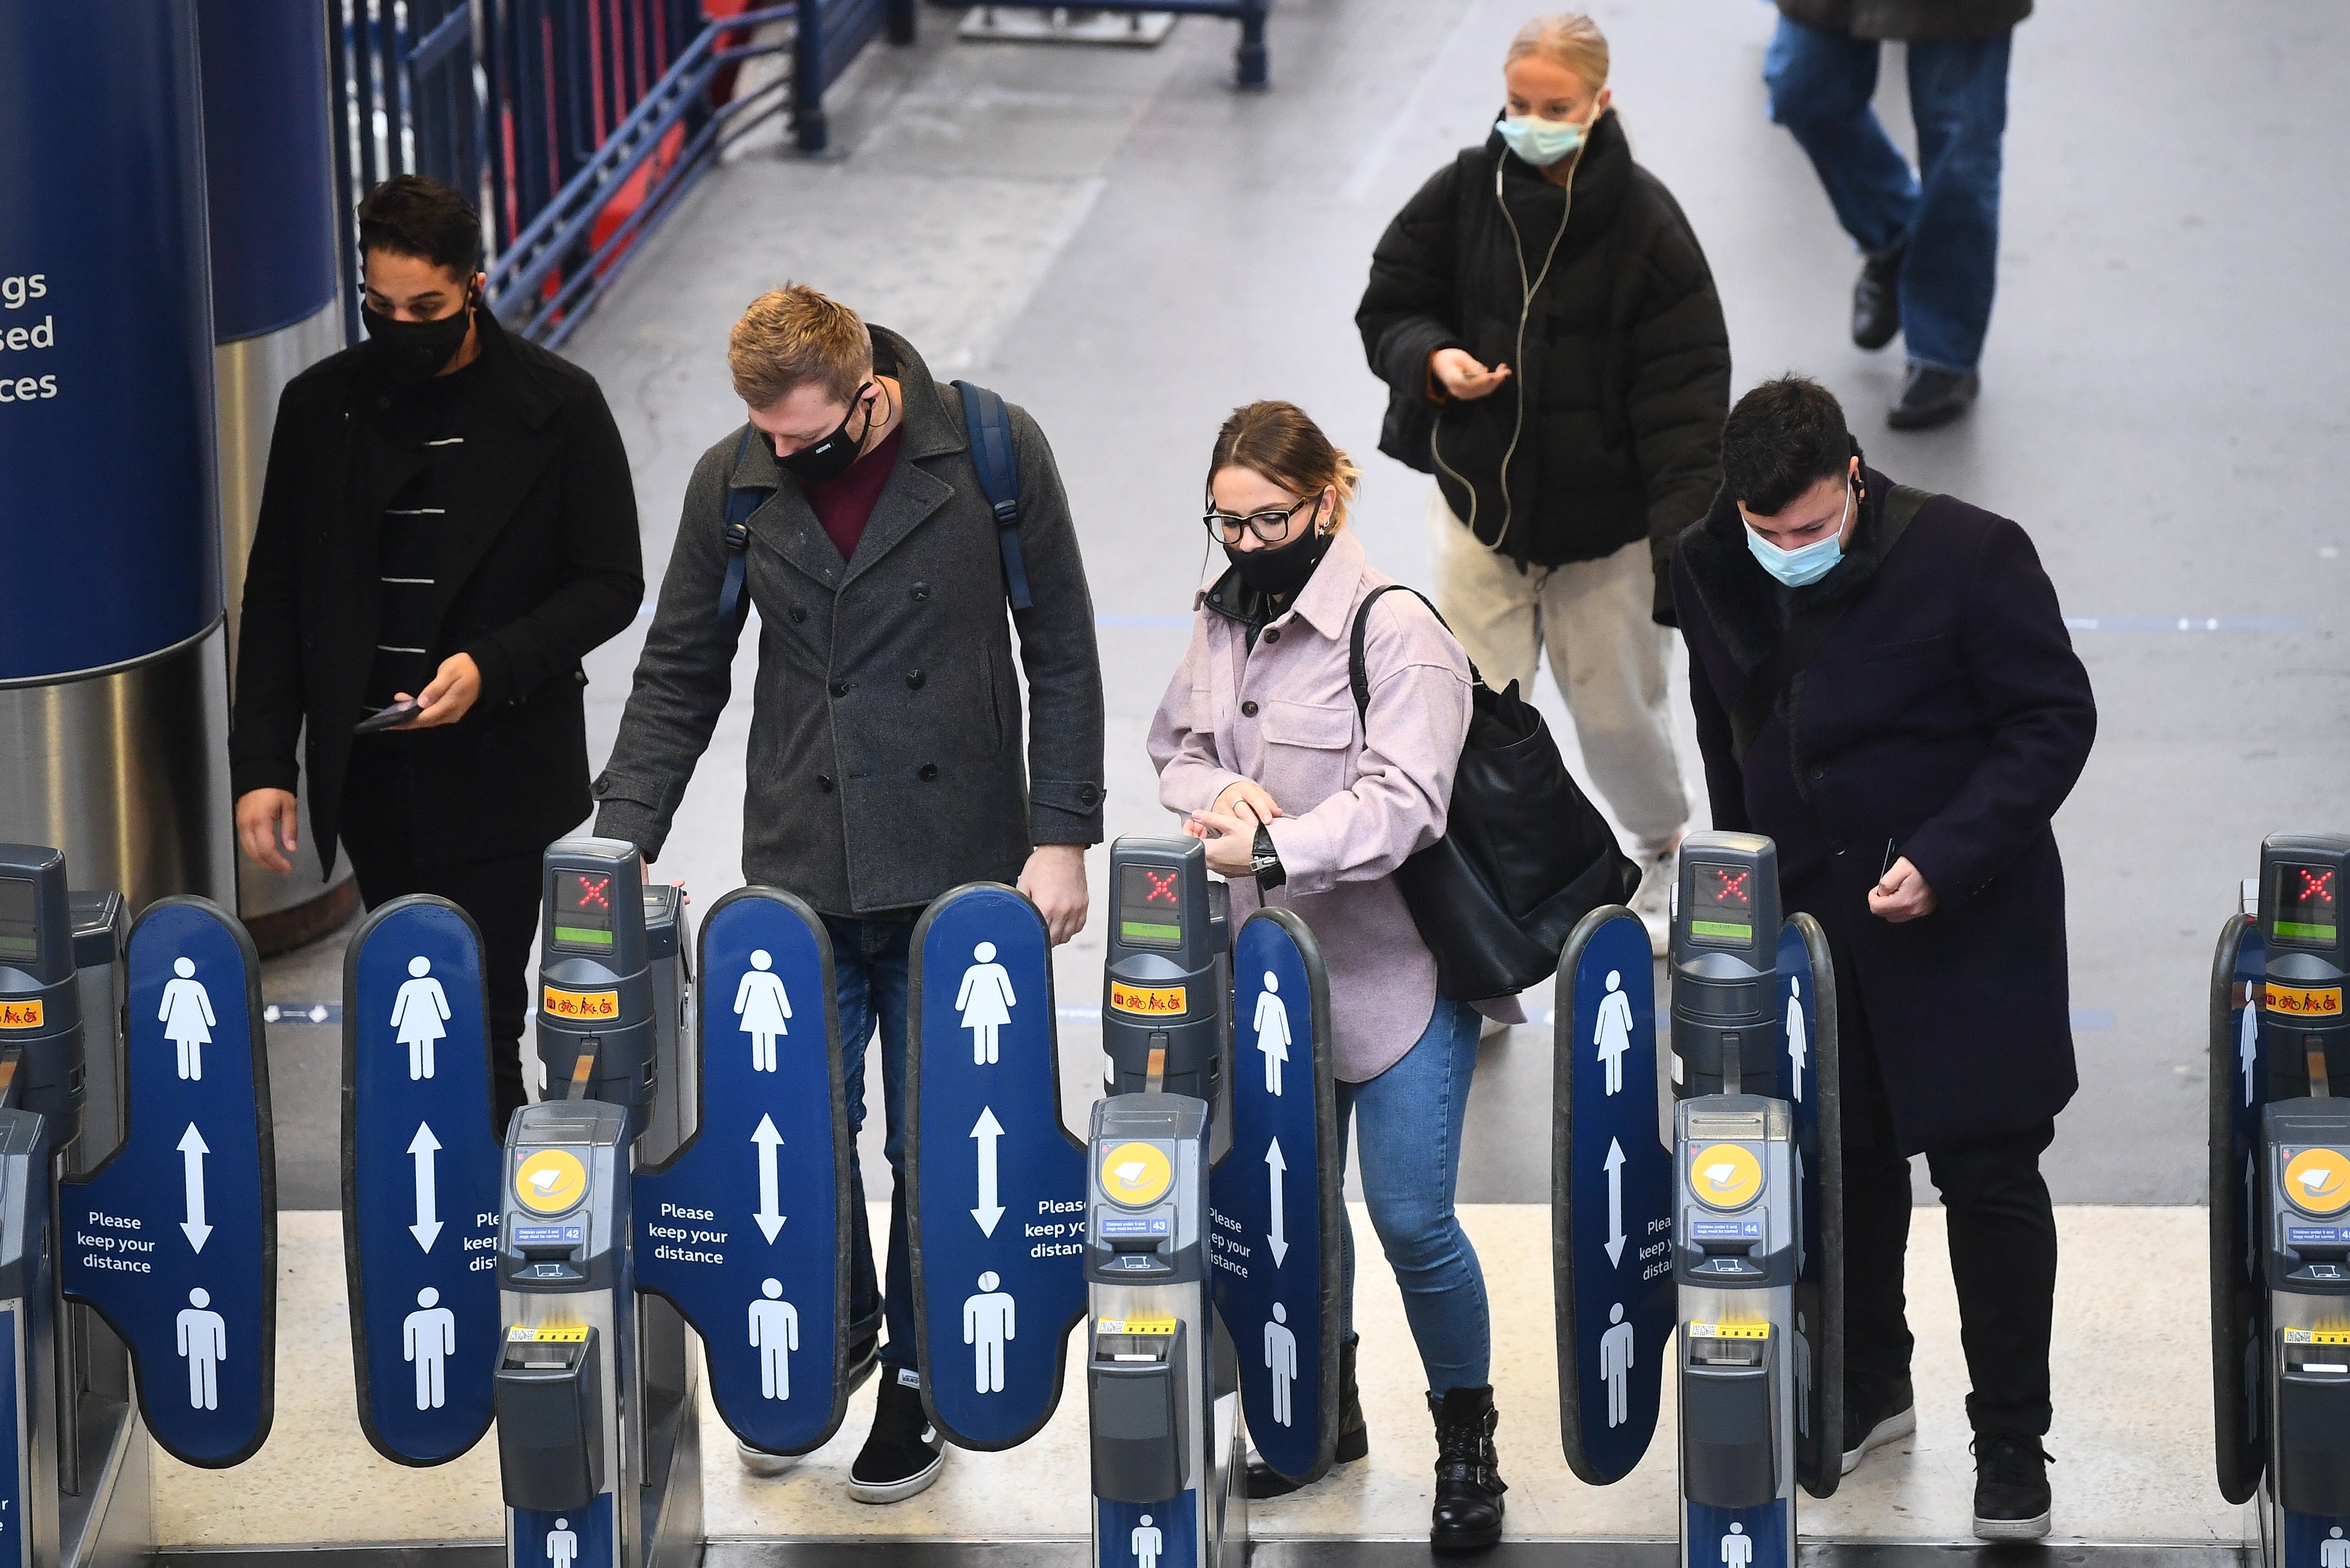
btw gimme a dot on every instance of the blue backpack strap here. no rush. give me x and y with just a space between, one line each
732 609
990 428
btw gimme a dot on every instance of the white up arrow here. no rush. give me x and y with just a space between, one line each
421 1149
1273 1166
1615 1163
987 1129
192 1150
769 1216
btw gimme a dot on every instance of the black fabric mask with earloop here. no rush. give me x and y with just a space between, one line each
411 353
1280 570
831 457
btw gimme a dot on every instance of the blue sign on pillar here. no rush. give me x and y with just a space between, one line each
1611 1198
998 1184
421 1160
1808 1080
1278 1197
745 1230
174 1239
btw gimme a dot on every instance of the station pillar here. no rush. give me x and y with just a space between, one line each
113 673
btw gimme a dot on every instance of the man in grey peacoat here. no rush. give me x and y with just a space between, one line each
884 762
886 753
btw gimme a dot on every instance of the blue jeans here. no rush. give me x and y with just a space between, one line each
869 985
1946 214
1410 1119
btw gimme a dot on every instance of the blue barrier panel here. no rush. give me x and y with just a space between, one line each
1143 1535
1612 1199
1737 1537
422 1163
2239 1088
996 1184
174 1239
745 1230
583 1536
1809 1081
1279 1199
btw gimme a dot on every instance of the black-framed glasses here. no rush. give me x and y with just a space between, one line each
1271 526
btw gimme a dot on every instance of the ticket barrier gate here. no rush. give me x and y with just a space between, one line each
549 1272
137 1239
1730 1245
1195 1228
2280 1174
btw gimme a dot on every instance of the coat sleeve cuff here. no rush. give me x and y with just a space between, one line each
497 672
250 773
630 807
1065 811
1308 859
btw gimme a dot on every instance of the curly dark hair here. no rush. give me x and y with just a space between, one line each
410 215
1780 439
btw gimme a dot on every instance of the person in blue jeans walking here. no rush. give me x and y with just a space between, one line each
1257 745
1930 235
885 762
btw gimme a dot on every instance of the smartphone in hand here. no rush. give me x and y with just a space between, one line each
400 712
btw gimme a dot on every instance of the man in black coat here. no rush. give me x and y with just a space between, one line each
1884 686
1554 355
1929 237
448 519
886 755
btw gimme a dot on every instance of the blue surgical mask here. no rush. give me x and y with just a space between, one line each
1541 143
1806 564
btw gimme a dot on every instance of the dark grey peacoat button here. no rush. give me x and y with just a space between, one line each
840 688
920 592
914 681
1249 709
927 772
1089 793
797 613
823 783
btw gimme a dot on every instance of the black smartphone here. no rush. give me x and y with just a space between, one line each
397 713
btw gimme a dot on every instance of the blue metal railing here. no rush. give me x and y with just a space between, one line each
575 125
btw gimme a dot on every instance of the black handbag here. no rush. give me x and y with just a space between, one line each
1524 855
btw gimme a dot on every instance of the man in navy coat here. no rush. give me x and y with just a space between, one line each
1884 685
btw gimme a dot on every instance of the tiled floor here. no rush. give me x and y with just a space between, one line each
2132 1438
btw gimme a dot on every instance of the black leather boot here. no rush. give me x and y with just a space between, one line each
1354 1437
1877 300
1468 1515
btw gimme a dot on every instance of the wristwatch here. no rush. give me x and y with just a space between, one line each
1265 861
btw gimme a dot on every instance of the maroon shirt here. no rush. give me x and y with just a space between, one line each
843 502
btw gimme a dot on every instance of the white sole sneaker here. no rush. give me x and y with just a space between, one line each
2011 1529
1899 1425
899 1491
760 1462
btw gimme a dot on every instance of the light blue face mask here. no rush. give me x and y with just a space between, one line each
1541 143
1805 563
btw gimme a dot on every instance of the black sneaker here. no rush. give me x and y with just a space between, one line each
1933 396
765 1463
1871 1423
905 1453
1877 300
2012 1501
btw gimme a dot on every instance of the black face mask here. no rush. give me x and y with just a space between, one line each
1280 570
831 457
411 353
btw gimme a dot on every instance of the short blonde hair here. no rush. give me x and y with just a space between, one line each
792 337
1279 443
1567 38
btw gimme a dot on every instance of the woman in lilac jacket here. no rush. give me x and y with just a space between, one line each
1257 744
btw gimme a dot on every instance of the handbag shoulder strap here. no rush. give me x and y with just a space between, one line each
1807 634
733 608
1359 673
989 425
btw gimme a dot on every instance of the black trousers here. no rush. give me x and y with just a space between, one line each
2002 1239
379 832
